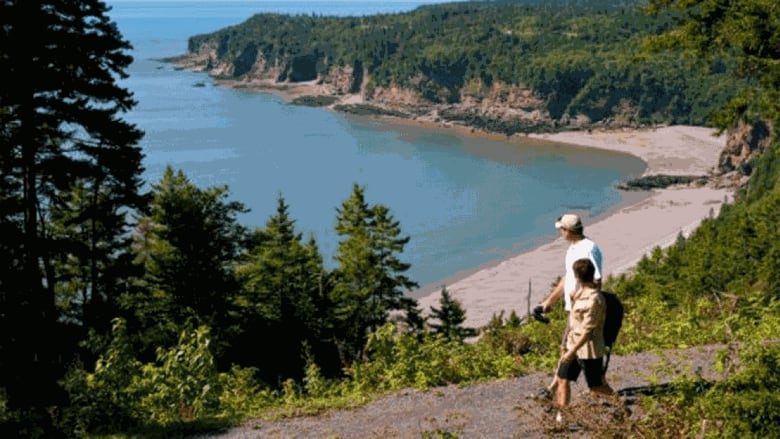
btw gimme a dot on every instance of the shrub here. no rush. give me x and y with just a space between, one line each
122 394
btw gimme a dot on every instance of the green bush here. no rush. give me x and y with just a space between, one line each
745 405
748 404
399 360
101 401
184 386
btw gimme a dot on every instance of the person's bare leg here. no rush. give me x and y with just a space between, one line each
563 395
553 386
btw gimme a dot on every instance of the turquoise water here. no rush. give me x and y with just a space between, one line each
464 201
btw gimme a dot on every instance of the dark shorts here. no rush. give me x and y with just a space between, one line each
594 371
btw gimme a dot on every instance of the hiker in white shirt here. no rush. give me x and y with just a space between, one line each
580 247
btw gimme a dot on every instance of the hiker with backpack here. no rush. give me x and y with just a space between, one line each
585 346
571 229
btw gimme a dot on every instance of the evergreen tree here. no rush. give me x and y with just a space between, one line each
282 295
61 131
749 29
450 316
414 319
356 276
92 275
389 245
369 282
187 246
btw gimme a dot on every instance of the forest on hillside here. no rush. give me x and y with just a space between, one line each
587 61
132 313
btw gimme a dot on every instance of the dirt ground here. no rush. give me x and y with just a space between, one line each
498 409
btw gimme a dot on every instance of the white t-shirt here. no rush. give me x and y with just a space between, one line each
584 248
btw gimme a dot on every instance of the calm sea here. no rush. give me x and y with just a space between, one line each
464 201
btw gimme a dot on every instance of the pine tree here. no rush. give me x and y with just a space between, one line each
394 284
92 275
60 110
187 246
282 293
355 278
450 316
369 282
748 29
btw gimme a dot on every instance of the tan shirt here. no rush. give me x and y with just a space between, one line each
587 317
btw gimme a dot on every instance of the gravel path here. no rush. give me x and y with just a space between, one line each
498 409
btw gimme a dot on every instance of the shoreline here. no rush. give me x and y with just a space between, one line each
640 222
630 230
628 200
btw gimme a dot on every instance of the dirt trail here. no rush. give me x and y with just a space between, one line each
499 409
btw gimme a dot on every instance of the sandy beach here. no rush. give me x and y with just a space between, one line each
632 229
625 234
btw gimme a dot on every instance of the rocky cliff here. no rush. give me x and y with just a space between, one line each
744 145
497 107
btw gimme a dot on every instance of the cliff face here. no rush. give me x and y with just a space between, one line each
744 144
498 102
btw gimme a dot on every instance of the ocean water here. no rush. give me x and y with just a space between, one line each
463 201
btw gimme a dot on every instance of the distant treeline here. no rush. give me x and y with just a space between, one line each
582 58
